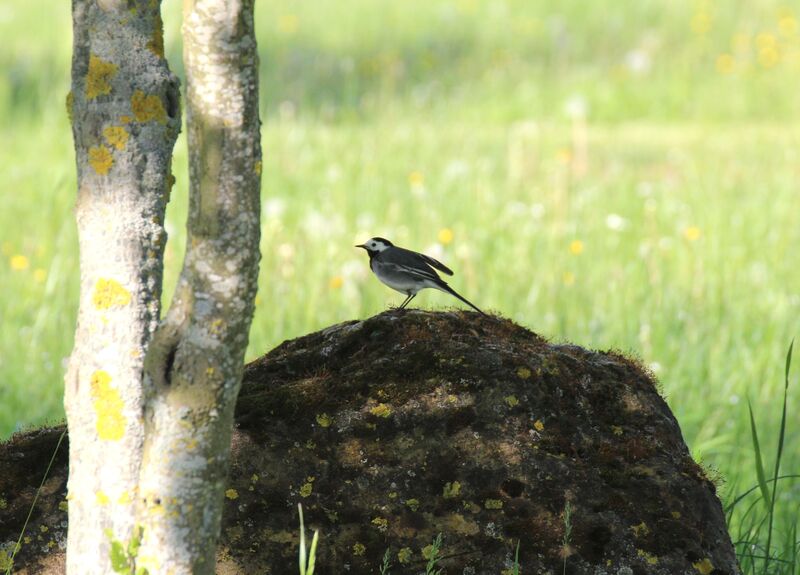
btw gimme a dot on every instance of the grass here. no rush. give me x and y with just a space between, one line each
618 178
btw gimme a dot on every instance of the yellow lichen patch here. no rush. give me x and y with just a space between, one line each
232 494
3 503
324 420
538 425
98 77
404 555
306 489
473 508
640 530
70 102
704 567
284 537
381 410
257 167
125 119
124 498
147 108
493 504
511 400
358 549
381 523
6 563
116 136
456 523
523 372
156 43
427 551
101 498
109 293
100 159
616 430
63 506
108 405
413 504
676 514
451 490
648 557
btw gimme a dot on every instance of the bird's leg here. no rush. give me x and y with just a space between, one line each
408 299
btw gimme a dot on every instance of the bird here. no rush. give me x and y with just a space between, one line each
406 271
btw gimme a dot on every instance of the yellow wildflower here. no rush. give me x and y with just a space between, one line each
701 22
19 263
445 236
692 233
336 282
416 179
576 247
725 63
787 25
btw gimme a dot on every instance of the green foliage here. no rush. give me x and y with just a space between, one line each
123 557
434 556
386 565
752 531
515 569
306 560
566 540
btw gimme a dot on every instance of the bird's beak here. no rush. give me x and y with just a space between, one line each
361 246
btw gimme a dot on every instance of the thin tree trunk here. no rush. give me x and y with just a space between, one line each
195 362
125 116
150 410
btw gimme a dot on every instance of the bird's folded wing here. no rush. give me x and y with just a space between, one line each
413 271
436 264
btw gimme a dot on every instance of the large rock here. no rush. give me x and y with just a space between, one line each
410 424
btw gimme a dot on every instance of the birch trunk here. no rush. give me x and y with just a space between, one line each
149 406
194 366
125 118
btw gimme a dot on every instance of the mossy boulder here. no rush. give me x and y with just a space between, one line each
397 428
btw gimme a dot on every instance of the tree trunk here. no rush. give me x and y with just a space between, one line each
125 118
150 410
196 359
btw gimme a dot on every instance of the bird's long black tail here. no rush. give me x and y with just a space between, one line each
453 292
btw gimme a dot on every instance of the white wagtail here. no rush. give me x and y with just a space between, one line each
406 271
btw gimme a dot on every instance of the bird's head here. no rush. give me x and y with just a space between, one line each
375 246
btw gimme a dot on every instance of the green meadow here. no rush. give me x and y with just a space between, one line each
619 175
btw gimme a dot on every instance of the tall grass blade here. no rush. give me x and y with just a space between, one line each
302 541
312 556
781 437
762 479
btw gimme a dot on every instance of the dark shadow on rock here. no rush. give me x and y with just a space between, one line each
394 429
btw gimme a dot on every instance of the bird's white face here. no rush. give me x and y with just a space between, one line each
376 245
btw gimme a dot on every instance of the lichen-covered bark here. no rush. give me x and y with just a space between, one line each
124 110
196 359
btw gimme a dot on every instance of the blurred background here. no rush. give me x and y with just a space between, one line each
618 175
